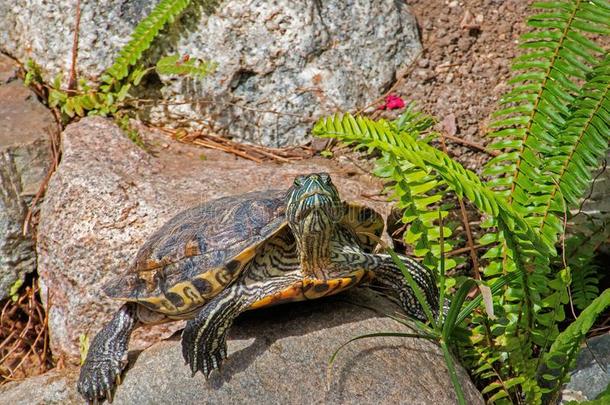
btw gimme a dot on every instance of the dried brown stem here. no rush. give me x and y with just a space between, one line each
470 241
23 336
472 145
255 153
72 81
459 251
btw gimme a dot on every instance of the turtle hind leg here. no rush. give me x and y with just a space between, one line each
107 356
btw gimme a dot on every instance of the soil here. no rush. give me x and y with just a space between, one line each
462 71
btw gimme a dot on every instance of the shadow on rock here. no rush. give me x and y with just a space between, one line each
268 325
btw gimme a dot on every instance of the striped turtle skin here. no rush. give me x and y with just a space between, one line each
214 261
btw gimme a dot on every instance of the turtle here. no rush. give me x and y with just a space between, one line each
214 261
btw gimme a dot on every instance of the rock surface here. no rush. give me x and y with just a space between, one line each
108 196
24 161
593 215
281 64
280 356
592 373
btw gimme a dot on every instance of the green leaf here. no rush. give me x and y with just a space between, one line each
14 290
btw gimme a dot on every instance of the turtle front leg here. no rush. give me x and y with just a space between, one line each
204 345
388 276
107 356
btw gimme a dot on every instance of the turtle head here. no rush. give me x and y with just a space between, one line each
313 209
313 205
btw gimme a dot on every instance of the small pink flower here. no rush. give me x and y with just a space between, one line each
392 102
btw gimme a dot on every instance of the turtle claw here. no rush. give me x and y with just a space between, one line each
212 361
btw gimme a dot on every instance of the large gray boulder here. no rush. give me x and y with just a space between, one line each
24 161
281 64
107 196
280 356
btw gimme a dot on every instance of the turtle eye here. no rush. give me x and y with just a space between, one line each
325 177
298 181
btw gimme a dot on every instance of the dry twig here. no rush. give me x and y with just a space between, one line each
471 246
255 153
72 82
473 145
24 336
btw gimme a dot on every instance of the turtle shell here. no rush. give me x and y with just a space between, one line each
201 250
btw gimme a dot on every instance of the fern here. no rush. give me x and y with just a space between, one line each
526 253
142 37
126 72
417 194
552 131
581 142
465 183
580 251
536 117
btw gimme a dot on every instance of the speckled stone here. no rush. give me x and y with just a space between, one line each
280 356
281 64
592 372
25 125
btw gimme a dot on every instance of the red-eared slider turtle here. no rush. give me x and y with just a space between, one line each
214 261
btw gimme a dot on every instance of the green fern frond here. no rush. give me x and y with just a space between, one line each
562 354
558 55
546 150
582 141
523 253
142 36
581 249
418 195
585 283
465 183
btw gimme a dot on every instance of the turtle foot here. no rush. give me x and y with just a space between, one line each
201 356
99 379
107 357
